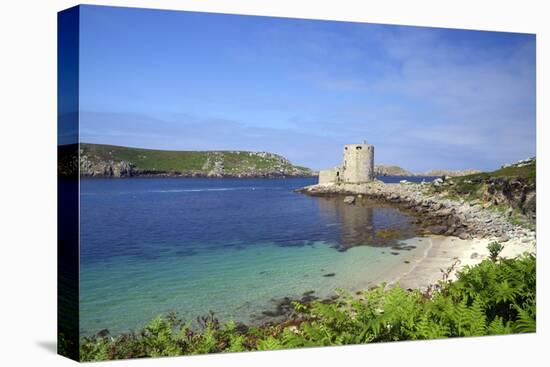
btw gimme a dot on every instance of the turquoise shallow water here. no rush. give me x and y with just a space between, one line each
150 246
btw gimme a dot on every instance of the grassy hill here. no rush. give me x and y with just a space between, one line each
117 161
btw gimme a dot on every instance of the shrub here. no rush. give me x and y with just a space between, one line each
494 249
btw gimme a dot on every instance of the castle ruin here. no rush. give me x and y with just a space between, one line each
357 167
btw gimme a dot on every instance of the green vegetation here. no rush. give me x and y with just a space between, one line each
527 172
493 297
494 250
149 161
471 186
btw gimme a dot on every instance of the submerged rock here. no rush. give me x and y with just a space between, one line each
283 307
308 298
403 247
103 333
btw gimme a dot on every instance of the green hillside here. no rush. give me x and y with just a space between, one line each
109 160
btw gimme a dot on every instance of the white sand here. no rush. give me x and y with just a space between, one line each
444 251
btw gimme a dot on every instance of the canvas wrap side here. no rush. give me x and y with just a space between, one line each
68 183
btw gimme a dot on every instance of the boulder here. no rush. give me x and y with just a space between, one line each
464 236
349 199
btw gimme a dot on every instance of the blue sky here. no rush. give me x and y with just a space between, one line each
425 97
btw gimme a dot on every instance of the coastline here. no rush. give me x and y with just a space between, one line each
458 231
424 269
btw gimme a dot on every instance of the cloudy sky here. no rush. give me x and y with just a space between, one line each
425 97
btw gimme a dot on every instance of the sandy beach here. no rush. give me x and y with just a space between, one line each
444 251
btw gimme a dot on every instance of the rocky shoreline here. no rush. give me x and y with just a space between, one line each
458 232
435 213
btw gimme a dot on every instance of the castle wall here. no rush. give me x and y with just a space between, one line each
328 176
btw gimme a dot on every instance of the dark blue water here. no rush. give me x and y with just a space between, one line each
153 245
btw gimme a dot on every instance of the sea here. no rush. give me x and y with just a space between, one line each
234 247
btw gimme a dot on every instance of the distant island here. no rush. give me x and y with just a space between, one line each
98 160
393 170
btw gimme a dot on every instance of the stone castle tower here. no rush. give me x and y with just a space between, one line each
358 163
358 166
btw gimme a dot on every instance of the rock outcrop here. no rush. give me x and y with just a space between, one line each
109 168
